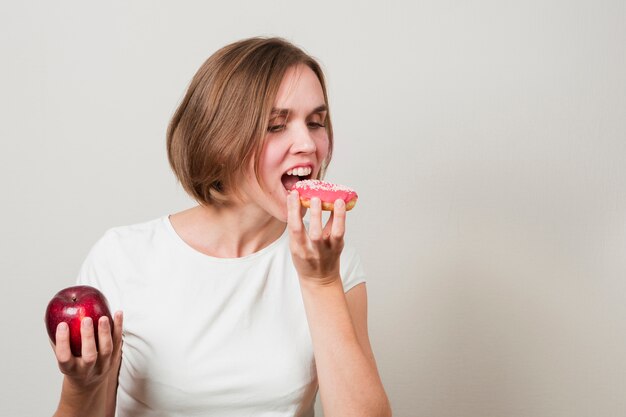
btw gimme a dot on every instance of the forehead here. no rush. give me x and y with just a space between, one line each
300 88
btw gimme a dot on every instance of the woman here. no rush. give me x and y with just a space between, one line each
233 307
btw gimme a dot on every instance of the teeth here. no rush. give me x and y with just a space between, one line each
301 172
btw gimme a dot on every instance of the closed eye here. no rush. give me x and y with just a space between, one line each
275 128
316 125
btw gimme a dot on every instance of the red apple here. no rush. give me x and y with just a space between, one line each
71 305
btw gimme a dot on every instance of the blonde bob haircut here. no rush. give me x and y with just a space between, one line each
222 120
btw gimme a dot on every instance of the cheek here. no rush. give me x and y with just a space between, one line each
269 165
273 153
323 144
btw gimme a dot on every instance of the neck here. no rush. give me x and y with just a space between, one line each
227 232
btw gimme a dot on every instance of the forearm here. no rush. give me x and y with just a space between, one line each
81 402
348 379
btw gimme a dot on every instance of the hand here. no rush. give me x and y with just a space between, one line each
316 254
92 368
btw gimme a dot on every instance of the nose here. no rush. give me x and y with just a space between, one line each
303 141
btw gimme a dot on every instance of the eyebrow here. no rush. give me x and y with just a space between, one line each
285 112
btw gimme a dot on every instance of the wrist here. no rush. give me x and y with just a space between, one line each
77 388
81 400
313 283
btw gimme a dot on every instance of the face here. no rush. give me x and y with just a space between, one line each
296 142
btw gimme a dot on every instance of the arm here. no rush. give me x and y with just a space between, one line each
90 382
348 378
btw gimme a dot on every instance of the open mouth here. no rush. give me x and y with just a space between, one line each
294 175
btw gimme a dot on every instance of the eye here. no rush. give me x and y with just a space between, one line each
277 123
275 128
316 125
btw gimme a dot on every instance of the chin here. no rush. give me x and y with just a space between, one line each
281 215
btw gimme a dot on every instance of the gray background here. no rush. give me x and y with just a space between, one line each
486 140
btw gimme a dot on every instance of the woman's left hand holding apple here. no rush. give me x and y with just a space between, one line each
88 377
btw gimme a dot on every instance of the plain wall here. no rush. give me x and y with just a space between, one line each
486 140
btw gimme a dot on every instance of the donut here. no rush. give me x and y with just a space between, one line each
327 192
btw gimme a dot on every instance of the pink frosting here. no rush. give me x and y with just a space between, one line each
325 191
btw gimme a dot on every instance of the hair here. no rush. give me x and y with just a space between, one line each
222 120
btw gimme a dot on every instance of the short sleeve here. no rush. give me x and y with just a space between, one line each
97 271
352 272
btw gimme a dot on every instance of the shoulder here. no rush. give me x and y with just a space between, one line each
125 243
352 272
117 255
349 252
130 235
138 231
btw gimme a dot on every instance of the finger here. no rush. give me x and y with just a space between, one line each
62 349
88 341
118 326
339 222
105 341
315 227
294 220
329 225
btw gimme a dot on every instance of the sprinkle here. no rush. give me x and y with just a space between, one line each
321 185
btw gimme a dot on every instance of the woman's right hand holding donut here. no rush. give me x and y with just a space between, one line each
90 379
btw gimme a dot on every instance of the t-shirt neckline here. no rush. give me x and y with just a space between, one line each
181 243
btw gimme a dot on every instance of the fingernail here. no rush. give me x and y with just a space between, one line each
86 322
104 323
62 327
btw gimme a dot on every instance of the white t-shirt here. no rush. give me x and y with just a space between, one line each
207 336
